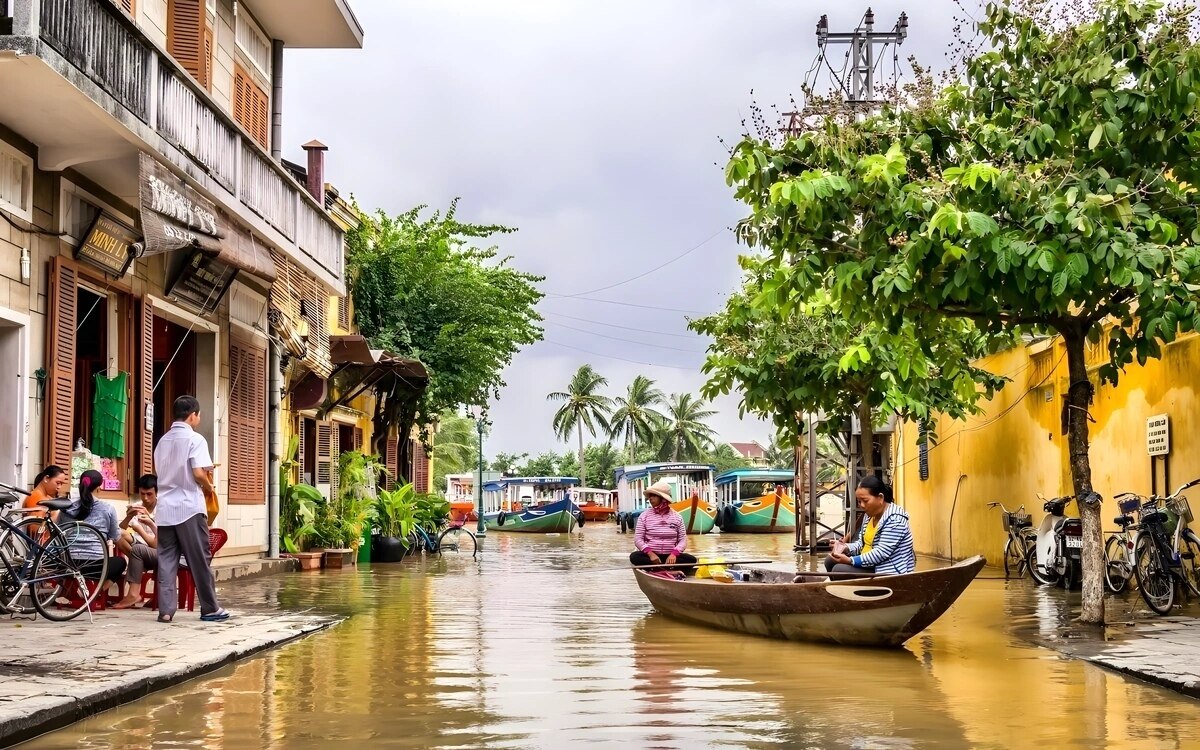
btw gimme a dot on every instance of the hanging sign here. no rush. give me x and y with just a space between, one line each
108 246
174 216
1158 435
201 283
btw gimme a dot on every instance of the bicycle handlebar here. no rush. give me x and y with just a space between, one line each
1183 487
10 488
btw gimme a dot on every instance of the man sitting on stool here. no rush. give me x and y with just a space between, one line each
660 536
139 541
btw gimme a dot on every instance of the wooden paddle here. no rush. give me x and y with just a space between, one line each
695 564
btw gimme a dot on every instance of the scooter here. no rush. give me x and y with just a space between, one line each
1057 556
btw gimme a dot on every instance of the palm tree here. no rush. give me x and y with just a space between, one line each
635 419
685 435
780 454
455 449
582 407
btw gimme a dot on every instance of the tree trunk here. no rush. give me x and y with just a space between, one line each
582 466
866 439
1075 420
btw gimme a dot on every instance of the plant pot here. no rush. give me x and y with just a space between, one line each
339 558
309 560
387 549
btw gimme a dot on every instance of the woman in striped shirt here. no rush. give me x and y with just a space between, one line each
884 544
660 537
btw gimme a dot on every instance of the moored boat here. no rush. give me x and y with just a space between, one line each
595 505
691 491
460 493
756 501
877 611
536 505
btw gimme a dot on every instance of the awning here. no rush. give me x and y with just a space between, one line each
357 367
177 217
354 350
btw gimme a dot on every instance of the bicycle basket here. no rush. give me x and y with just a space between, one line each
1016 521
1179 506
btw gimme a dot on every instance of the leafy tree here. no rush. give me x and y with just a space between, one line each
602 460
542 465
788 360
583 407
635 420
725 458
684 435
506 463
423 289
780 453
455 447
1048 189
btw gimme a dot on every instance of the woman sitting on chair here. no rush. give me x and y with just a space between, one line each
87 509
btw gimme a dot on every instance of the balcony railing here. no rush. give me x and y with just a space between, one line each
101 41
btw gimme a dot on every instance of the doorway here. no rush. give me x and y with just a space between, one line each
174 370
12 449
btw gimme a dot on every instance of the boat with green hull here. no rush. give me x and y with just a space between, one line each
691 493
531 505
756 501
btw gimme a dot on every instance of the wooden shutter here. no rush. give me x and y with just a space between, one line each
391 460
247 423
343 313
126 5
188 37
324 453
301 467
358 439
142 428
251 106
60 351
420 467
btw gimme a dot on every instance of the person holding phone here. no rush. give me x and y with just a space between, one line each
884 544
139 541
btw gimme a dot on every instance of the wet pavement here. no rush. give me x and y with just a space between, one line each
540 645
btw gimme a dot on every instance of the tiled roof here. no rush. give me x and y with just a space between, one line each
749 450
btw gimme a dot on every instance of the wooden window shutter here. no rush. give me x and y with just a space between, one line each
125 5
60 350
343 313
324 452
145 428
247 423
301 466
420 467
358 439
251 106
391 460
188 35
335 458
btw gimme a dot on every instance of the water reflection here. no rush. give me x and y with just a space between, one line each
534 647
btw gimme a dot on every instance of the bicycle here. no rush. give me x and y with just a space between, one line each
1165 550
37 565
452 537
1118 548
1019 528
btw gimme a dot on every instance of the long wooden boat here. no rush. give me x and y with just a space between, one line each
552 518
539 505
691 486
756 501
879 611
595 505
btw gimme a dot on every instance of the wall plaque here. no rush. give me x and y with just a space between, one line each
108 246
202 282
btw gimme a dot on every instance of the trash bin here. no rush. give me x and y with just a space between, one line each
364 548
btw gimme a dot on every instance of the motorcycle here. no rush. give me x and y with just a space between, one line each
1057 555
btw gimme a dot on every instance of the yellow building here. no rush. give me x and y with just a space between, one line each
1016 449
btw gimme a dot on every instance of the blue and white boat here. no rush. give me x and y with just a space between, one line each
532 505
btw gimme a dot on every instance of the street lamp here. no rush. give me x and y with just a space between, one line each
479 414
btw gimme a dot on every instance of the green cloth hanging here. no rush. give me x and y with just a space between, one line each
109 407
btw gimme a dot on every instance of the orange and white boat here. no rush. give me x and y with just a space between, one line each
595 504
460 492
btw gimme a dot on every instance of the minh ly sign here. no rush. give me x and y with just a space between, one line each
109 246
1158 435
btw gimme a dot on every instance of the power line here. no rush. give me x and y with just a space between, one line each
695 369
624 328
627 341
644 274
627 304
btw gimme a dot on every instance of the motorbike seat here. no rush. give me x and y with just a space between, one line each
1123 520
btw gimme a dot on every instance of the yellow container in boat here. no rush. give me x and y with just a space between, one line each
710 568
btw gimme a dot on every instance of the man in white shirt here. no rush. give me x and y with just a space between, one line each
183 465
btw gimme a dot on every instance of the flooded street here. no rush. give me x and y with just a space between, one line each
525 649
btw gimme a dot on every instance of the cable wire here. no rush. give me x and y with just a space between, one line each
644 274
627 304
691 336
628 341
695 369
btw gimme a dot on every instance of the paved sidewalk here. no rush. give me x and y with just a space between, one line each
53 674
1165 651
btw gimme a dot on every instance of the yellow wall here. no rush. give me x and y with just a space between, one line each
1015 448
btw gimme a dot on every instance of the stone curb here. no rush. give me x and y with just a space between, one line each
41 714
1190 688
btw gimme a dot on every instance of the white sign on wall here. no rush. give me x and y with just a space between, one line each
1158 435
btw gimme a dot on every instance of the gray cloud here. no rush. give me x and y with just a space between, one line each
592 127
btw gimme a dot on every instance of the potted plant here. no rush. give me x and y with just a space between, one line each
351 511
300 506
395 517
431 512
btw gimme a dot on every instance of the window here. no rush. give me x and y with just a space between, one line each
125 5
16 182
254 45
79 209
189 38
251 106
247 423
343 313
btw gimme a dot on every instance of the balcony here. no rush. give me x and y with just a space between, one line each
80 80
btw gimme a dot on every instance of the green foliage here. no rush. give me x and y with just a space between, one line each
298 504
725 458
542 465
395 512
684 436
583 407
507 463
455 447
635 420
423 289
602 460
431 511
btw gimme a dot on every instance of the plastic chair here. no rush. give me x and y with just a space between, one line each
187 586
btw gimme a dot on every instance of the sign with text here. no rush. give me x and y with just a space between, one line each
174 216
108 246
201 283
1158 435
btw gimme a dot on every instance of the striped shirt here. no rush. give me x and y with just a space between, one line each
661 533
892 548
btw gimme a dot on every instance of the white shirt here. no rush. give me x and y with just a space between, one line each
179 496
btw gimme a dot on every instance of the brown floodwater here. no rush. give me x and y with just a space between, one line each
527 649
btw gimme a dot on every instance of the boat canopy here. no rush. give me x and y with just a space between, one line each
584 491
781 476
544 483
641 471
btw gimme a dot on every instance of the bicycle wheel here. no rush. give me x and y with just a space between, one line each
1044 576
59 567
16 552
456 539
1015 555
1153 578
1117 568
1189 560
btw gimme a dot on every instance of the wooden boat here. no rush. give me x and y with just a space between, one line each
460 492
538 505
878 611
595 504
756 501
691 488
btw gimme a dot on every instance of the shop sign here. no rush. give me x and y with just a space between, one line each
1158 435
201 283
108 246
174 216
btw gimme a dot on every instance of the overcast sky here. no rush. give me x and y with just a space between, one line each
593 128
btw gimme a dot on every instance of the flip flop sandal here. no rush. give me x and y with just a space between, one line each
166 618
219 616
